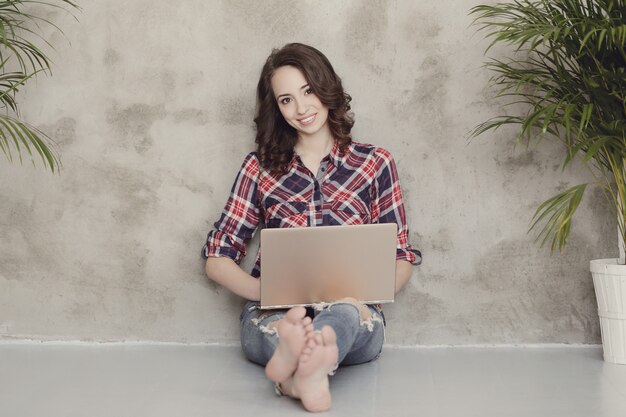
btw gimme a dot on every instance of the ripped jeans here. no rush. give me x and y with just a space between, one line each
358 341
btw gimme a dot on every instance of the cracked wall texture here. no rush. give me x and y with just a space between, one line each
151 105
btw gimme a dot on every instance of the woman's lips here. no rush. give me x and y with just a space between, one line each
307 120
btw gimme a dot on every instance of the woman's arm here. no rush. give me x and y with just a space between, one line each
388 207
228 274
404 269
226 243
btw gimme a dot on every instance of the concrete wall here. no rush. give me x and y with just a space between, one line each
151 103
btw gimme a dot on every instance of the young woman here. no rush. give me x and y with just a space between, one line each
306 171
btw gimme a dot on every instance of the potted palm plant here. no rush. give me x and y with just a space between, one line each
20 60
568 70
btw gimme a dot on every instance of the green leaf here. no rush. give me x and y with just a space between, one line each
26 137
556 213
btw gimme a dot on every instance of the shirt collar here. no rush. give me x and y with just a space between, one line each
336 156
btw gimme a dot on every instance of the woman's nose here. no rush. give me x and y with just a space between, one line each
301 107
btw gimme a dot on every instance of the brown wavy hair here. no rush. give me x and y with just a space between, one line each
275 137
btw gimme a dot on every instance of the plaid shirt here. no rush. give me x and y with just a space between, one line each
358 186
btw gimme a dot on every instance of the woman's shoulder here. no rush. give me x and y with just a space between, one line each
370 151
251 158
251 164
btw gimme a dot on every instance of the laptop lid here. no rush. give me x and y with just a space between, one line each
308 265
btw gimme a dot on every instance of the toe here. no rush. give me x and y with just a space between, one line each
296 314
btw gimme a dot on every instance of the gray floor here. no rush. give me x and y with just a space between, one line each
187 381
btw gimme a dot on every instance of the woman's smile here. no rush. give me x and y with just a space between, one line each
308 120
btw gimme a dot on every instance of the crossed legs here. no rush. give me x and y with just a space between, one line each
304 353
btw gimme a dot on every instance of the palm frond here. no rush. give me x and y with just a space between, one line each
21 136
567 68
556 215
20 60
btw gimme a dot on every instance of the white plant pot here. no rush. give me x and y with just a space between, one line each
609 281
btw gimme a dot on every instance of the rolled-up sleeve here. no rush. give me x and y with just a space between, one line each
240 217
389 205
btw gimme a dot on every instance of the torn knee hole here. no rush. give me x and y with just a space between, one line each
269 328
369 323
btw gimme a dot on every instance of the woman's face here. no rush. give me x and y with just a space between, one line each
297 103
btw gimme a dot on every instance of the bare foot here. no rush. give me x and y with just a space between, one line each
292 332
318 358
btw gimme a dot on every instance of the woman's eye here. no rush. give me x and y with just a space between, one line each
309 91
285 100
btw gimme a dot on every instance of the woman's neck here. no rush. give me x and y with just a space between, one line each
315 146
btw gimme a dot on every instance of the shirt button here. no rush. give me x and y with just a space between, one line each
323 169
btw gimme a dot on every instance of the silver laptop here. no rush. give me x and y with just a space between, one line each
309 265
